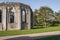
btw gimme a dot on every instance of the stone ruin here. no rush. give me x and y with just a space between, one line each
15 16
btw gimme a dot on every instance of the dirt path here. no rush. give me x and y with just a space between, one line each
30 36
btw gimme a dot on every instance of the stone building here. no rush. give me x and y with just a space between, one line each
15 16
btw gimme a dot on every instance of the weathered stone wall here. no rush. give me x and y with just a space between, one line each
17 25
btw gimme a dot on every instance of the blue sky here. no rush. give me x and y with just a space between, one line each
36 4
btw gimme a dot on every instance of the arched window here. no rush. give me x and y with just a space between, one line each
11 15
11 19
0 16
23 18
23 15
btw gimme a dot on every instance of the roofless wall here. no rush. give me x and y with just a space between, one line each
15 16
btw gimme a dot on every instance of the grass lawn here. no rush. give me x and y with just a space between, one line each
51 38
20 32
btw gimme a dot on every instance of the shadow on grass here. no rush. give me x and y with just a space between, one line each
37 27
46 37
41 27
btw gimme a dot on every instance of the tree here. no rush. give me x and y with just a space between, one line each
57 14
45 15
36 17
57 17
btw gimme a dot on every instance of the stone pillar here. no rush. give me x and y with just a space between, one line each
18 17
4 18
28 16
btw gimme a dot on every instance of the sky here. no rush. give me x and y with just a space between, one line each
36 4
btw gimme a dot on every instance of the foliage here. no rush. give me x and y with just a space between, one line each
45 17
57 15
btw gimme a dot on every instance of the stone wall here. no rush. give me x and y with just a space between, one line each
17 11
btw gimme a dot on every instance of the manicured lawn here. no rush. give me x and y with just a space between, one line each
51 38
19 32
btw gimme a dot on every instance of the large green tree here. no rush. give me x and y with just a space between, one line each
43 16
46 15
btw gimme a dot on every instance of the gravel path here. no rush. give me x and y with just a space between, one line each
30 36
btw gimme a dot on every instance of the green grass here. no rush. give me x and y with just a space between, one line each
57 37
20 32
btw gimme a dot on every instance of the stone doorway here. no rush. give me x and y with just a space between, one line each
23 19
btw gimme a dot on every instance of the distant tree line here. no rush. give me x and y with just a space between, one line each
45 16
